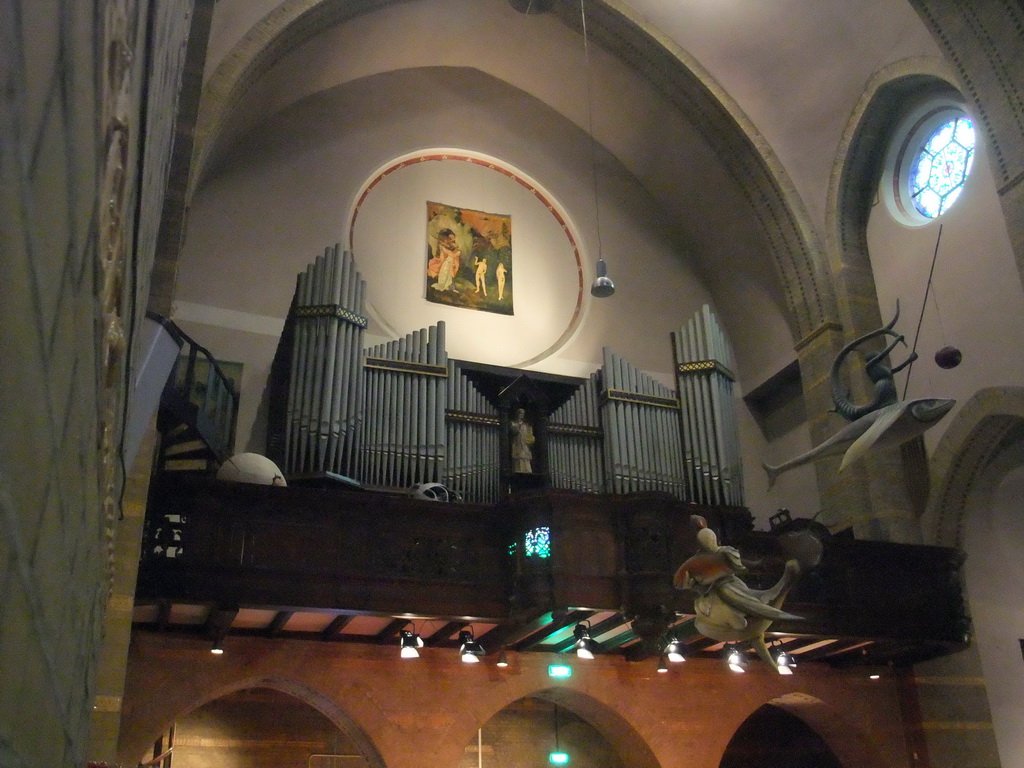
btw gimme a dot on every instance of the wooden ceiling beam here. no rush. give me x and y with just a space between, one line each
333 630
277 623
557 622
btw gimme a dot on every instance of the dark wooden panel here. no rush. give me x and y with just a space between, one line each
307 548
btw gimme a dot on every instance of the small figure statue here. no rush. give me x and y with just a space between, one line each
522 439
727 609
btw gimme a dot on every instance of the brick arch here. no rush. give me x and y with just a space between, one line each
792 242
850 746
623 737
131 747
435 704
981 432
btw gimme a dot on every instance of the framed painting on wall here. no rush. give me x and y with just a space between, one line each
469 259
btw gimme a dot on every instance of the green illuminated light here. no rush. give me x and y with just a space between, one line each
538 542
559 670
558 758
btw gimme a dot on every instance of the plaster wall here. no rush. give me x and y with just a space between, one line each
689 190
994 535
975 302
289 189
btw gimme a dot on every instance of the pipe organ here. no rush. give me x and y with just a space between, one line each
324 399
406 394
473 440
402 413
710 432
575 449
643 451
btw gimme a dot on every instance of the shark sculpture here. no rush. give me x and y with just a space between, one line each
726 608
884 422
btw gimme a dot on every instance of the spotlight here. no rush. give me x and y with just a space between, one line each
736 661
469 649
502 659
410 643
784 663
217 648
662 665
674 651
585 646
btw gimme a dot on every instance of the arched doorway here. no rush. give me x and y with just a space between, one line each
255 727
771 737
529 730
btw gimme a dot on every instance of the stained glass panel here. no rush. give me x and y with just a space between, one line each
941 167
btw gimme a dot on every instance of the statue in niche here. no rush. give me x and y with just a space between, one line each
522 442
727 609
883 422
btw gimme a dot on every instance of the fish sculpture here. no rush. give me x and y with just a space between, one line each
727 609
887 427
883 422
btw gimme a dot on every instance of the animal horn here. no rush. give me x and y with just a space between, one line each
840 395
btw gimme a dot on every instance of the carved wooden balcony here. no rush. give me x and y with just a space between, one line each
359 566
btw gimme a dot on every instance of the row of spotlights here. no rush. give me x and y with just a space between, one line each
470 651
737 661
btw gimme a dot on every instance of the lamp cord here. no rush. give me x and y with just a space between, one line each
590 129
920 319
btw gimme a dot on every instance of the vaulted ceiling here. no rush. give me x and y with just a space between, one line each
731 115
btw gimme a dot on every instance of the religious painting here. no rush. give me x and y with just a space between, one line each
469 259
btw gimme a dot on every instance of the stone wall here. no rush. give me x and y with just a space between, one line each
53 543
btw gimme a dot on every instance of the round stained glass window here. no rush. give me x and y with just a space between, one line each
941 167
930 160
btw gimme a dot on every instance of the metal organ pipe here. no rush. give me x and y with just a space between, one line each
705 380
328 325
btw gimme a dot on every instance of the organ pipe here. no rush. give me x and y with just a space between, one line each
708 417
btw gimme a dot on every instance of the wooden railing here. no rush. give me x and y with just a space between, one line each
199 395
326 549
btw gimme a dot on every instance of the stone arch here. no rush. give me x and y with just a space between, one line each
847 744
856 174
981 431
792 243
983 42
901 478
